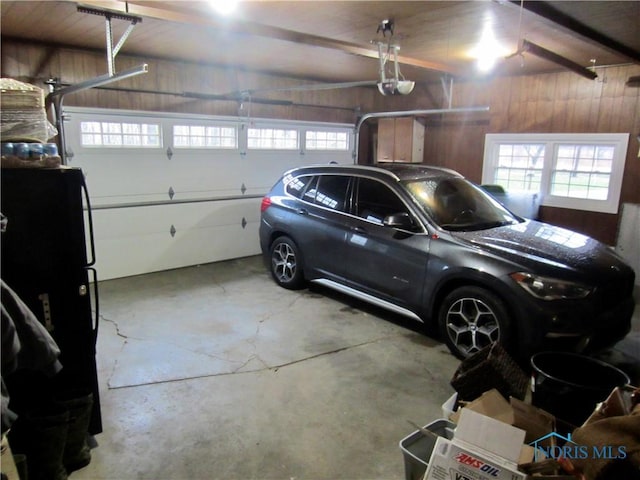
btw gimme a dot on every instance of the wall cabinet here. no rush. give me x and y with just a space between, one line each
400 140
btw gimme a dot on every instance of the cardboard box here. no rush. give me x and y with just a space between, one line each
541 430
534 421
449 406
486 434
492 404
482 449
453 461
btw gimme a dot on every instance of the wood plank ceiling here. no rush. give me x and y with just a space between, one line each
336 41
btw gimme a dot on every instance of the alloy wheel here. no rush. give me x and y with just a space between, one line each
283 260
471 325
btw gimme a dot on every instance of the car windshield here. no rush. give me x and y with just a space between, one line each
458 205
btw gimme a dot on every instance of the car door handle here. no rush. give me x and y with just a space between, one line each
302 211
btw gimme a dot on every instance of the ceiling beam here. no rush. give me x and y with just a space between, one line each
549 12
179 12
541 52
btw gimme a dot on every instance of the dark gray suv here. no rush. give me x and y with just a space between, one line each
424 242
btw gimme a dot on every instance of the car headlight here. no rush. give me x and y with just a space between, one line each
546 288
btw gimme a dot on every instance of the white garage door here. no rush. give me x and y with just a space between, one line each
169 190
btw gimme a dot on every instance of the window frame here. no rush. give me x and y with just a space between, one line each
274 128
194 125
357 200
121 133
619 141
74 116
318 180
305 141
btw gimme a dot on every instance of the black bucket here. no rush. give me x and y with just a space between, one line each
569 385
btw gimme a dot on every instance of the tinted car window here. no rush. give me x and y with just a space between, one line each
330 191
375 201
456 204
295 186
311 190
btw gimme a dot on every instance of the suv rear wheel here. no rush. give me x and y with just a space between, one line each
286 263
471 318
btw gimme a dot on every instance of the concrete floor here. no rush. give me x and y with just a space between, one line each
214 372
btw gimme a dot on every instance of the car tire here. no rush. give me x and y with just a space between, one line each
470 318
286 263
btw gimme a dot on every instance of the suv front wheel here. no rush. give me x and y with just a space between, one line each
471 318
286 263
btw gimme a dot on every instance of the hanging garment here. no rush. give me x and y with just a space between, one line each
26 345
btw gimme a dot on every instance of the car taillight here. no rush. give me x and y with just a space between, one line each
266 202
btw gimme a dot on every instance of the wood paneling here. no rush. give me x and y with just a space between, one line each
556 102
167 81
329 40
549 103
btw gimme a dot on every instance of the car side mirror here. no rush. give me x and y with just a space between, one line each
399 220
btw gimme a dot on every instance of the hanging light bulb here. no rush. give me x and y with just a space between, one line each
488 49
224 7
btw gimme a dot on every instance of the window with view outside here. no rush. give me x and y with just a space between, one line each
520 167
202 136
582 171
272 139
120 134
321 140
569 170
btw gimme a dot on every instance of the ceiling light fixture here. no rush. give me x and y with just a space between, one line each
488 50
224 7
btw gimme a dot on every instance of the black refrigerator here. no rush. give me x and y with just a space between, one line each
46 258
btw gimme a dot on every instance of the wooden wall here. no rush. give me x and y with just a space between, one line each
559 102
163 88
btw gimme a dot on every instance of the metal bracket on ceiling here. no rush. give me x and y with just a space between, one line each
55 98
108 15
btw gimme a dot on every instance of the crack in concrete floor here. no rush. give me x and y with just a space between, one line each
236 371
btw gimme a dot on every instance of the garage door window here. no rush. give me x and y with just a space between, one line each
120 135
576 171
323 140
201 136
272 139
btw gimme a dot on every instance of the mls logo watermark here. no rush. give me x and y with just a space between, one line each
572 450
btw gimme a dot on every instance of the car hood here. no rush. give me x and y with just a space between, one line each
541 247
